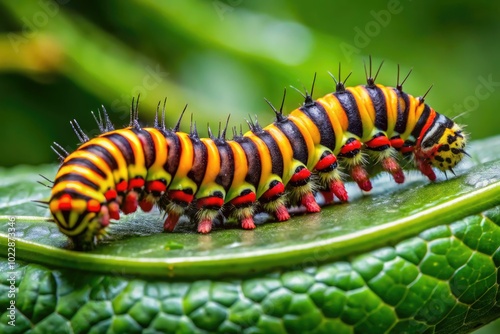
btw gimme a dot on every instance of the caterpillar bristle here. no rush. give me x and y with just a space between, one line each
178 124
60 151
82 137
270 168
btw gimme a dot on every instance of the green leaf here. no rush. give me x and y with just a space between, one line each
417 257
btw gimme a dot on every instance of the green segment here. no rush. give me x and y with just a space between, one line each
443 279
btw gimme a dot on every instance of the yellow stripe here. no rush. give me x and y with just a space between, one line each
391 101
240 162
412 116
156 171
265 163
79 188
213 161
139 167
338 119
309 132
84 172
121 173
180 180
285 148
366 120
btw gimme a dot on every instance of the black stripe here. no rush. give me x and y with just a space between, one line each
124 146
439 125
104 154
253 159
317 114
174 152
77 178
148 146
348 103
421 121
85 163
274 151
200 160
402 119
380 105
226 174
297 141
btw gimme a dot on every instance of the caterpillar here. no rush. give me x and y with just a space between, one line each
266 169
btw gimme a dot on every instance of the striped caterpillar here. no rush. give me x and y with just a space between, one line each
266 169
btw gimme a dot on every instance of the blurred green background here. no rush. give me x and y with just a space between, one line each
59 60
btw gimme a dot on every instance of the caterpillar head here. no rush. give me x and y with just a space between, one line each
80 219
443 144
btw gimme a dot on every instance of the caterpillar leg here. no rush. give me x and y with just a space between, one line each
330 180
178 201
301 190
273 201
381 147
351 153
209 208
243 208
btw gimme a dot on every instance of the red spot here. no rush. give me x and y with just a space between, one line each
392 166
360 176
121 187
326 162
156 186
378 142
205 226
351 146
302 174
130 204
114 210
276 189
212 201
65 202
146 205
244 199
407 149
310 203
180 195
282 213
110 195
93 206
397 143
337 187
171 221
247 223
136 183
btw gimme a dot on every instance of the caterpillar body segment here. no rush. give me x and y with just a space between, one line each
266 169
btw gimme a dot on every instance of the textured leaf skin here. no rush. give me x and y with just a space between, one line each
445 280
